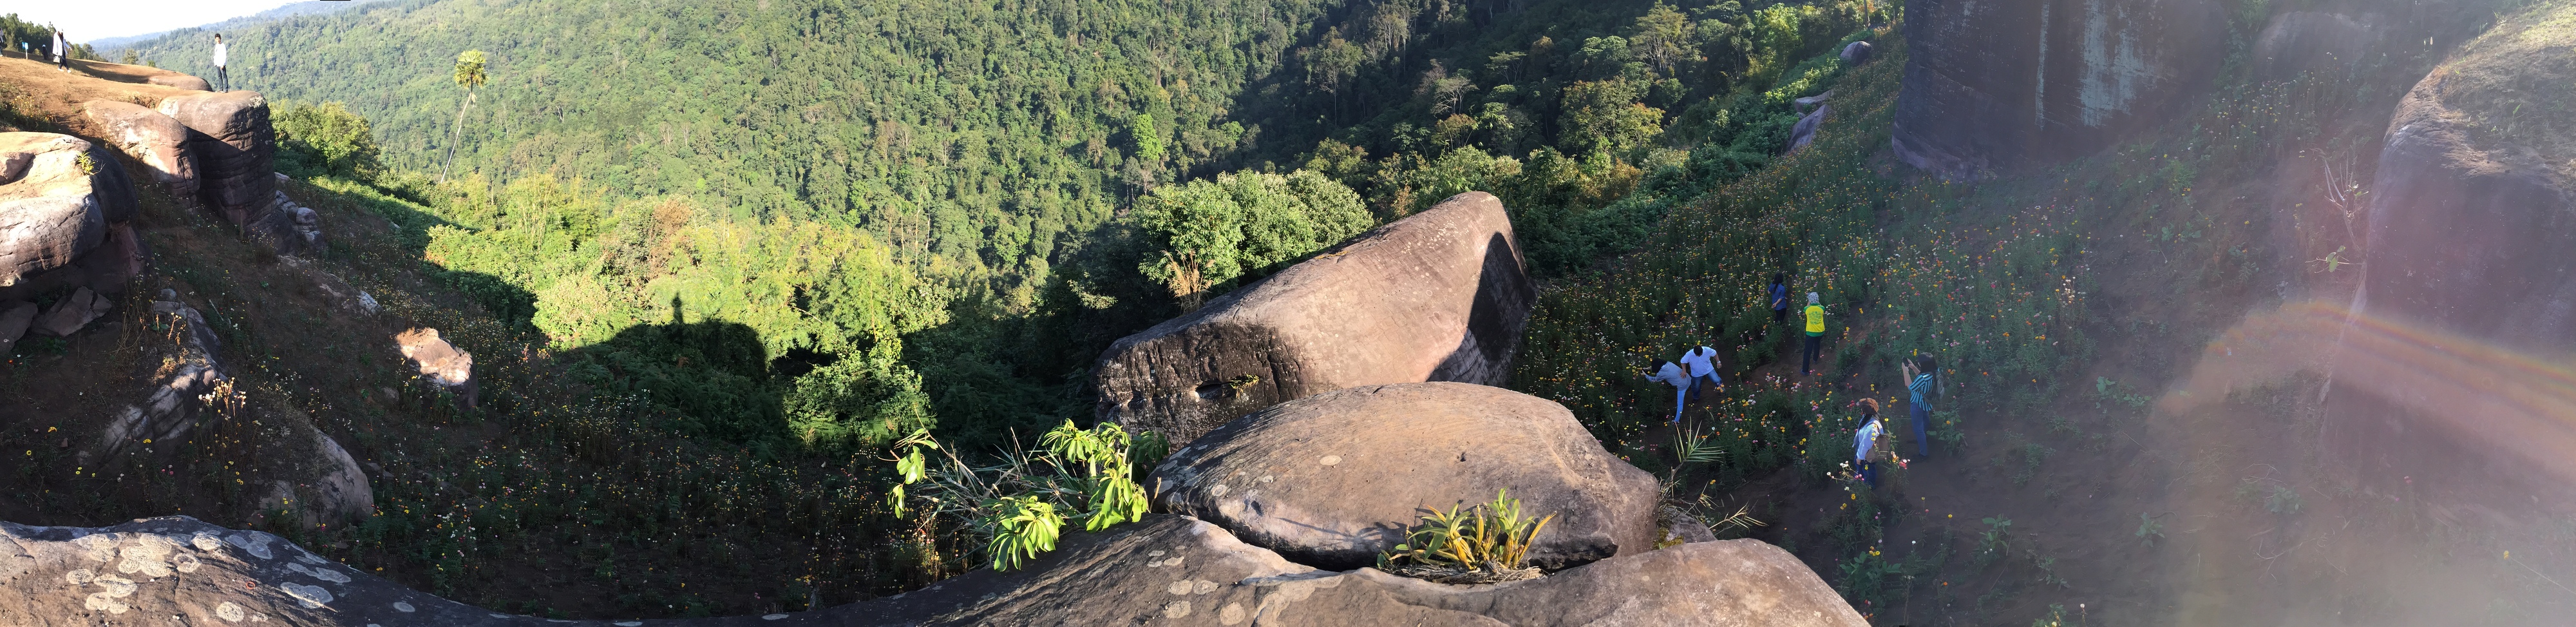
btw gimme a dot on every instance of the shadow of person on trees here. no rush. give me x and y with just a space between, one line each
715 375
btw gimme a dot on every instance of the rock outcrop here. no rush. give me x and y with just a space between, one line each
1805 131
2000 84
157 141
183 371
235 151
1439 296
60 205
2473 210
73 312
181 81
1334 479
441 364
1164 570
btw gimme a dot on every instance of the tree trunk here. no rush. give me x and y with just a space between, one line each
454 131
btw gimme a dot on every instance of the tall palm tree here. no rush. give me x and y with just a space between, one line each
469 74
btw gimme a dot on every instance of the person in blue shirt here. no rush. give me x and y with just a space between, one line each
1865 442
1920 387
1668 373
1779 299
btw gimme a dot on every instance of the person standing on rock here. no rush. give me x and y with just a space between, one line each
1668 373
1702 363
1815 333
1865 442
1919 387
223 79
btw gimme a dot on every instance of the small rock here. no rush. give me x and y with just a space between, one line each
441 363
1856 53
70 314
15 317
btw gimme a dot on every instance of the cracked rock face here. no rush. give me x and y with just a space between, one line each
1439 296
2001 84
1165 570
235 151
58 202
1333 479
157 141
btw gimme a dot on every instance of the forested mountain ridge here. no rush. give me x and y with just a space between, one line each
991 147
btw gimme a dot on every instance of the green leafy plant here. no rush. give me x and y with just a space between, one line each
2150 530
1014 510
1484 543
1993 541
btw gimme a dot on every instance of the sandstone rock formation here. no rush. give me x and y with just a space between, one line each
1164 570
1999 84
341 492
1333 479
441 364
234 148
60 205
2474 207
181 81
1439 296
183 371
157 141
73 312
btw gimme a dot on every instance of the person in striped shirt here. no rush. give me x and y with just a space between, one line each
1921 387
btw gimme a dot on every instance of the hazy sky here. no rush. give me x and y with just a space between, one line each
85 20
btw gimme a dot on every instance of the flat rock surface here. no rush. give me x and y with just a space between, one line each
1333 479
1439 296
1165 570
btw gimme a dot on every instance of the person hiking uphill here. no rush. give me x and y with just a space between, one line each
1702 365
1668 373
223 78
1815 333
1921 387
1865 442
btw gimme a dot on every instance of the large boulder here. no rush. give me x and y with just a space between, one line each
1333 479
1439 296
235 151
60 205
2473 210
2000 84
441 364
1164 570
157 141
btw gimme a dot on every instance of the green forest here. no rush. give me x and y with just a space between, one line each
914 213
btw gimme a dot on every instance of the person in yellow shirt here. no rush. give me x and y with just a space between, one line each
1815 333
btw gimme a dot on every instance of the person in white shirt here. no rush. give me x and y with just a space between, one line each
1702 363
1668 373
1865 442
62 52
223 79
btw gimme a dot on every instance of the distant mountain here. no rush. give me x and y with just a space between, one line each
309 7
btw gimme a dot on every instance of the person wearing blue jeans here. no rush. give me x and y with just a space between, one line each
1702 365
1920 387
1671 374
1865 442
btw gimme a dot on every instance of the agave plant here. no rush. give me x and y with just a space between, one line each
1483 543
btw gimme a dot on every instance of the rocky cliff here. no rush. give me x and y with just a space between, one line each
1998 84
